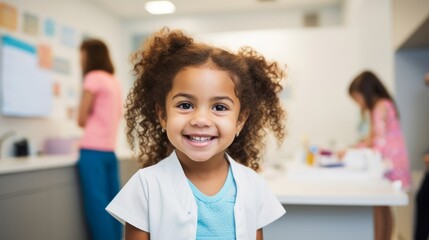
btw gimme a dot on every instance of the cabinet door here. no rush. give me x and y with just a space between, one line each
67 222
24 217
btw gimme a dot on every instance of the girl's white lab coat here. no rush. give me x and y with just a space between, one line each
159 200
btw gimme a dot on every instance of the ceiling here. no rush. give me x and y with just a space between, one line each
134 9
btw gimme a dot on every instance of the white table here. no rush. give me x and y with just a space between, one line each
328 203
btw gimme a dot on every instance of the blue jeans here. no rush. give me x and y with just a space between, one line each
99 180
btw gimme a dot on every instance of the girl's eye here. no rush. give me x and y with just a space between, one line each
220 108
185 106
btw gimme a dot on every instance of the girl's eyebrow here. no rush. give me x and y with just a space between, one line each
223 98
189 96
185 95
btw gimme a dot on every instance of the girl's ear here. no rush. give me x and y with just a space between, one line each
161 116
242 118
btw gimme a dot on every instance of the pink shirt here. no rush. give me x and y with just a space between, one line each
388 140
102 125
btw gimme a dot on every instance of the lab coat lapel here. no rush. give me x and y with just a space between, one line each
183 191
239 213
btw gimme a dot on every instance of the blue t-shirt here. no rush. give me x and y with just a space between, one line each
216 213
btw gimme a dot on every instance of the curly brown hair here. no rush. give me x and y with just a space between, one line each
164 54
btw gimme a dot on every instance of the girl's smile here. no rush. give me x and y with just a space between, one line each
201 113
199 141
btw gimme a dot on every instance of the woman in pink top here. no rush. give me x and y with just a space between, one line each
385 137
99 115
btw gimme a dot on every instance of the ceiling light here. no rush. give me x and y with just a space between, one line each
160 7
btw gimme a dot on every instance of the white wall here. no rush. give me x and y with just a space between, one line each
86 19
321 61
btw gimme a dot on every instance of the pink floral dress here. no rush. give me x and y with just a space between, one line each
387 138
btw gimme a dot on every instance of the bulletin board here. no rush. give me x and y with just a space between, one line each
25 87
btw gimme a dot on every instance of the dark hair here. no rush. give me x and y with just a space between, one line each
163 55
97 56
371 88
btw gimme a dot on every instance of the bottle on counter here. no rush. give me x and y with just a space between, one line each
311 155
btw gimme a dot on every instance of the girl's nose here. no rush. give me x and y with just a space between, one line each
201 118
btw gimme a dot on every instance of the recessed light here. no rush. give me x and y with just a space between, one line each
160 7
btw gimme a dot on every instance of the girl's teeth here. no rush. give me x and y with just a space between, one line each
200 139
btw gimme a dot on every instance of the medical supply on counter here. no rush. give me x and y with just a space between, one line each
311 155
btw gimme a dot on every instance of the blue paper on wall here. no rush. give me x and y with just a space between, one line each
49 27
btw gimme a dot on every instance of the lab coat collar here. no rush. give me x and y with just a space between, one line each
180 177
186 197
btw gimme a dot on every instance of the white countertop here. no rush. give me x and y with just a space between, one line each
33 163
25 164
303 185
380 193
354 191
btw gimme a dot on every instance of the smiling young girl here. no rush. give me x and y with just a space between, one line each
198 116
